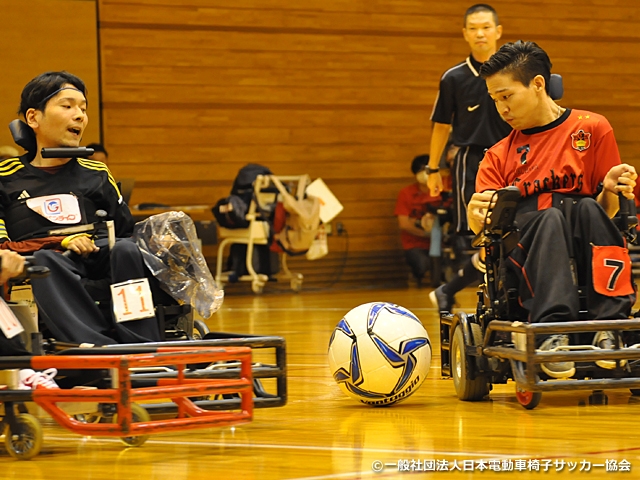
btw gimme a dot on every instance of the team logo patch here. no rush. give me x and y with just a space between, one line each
581 140
61 209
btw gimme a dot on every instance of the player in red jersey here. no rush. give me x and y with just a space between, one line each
557 157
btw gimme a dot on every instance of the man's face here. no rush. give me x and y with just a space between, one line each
63 120
482 34
518 105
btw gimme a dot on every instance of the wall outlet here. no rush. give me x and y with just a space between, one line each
328 228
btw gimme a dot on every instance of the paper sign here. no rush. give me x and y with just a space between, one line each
330 207
9 324
63 208
132 300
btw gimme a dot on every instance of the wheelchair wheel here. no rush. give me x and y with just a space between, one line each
200 329
26 441
138 414
528 400
466 389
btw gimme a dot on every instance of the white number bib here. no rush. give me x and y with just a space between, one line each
132 300
63 208
8 322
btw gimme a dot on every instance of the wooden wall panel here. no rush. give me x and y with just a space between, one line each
339 89
43 35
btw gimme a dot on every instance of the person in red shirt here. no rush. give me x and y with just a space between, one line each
416 210
557 157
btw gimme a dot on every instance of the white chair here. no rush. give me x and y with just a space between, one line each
259 233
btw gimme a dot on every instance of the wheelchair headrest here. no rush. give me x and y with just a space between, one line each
23 135
556 89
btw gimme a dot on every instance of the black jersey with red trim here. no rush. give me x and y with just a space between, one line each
89 180
463 101
571 155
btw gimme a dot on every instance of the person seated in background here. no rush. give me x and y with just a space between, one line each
100 153
54 107
7 151
420 230
555 155
12 265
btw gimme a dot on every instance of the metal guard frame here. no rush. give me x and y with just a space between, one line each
124 393
527 378
262 398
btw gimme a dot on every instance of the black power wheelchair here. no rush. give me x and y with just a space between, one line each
489 347
209 377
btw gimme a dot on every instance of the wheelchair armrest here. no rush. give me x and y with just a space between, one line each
31 270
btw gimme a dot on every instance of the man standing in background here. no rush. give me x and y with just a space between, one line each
465 110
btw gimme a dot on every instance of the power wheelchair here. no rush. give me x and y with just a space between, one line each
209 378
489 347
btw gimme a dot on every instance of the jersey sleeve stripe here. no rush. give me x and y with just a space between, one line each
10 170
99 166
3 230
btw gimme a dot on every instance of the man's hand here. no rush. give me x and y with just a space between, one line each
427 221
434 182
12 265
478 207
82 245
621 179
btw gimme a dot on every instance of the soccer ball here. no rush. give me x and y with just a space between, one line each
379 353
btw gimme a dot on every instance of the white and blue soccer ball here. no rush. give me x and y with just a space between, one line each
379 353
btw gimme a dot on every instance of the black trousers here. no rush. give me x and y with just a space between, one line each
12 347
541 264
465 169
419 261
69 311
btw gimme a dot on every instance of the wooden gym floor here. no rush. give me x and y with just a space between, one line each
321 434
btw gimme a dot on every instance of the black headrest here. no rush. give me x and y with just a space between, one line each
23 135
556 89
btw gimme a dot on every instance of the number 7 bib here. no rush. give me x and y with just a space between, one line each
132 300
611 270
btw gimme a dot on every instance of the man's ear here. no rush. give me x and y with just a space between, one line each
498 32
32 117
539 83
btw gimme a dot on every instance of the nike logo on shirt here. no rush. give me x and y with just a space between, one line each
471 109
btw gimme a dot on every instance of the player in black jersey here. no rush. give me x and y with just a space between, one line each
38 194
465 109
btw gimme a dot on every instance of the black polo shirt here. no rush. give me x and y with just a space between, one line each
464 102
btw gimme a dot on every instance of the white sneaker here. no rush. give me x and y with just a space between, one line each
606 340
558 370
30 380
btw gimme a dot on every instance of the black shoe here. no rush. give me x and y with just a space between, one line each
440 300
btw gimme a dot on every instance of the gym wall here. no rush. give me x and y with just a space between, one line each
341 89
43 35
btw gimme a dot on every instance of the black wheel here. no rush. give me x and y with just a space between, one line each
138 414
200 329
466 389
527 399
25 441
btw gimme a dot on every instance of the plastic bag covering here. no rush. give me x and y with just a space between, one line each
169 246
